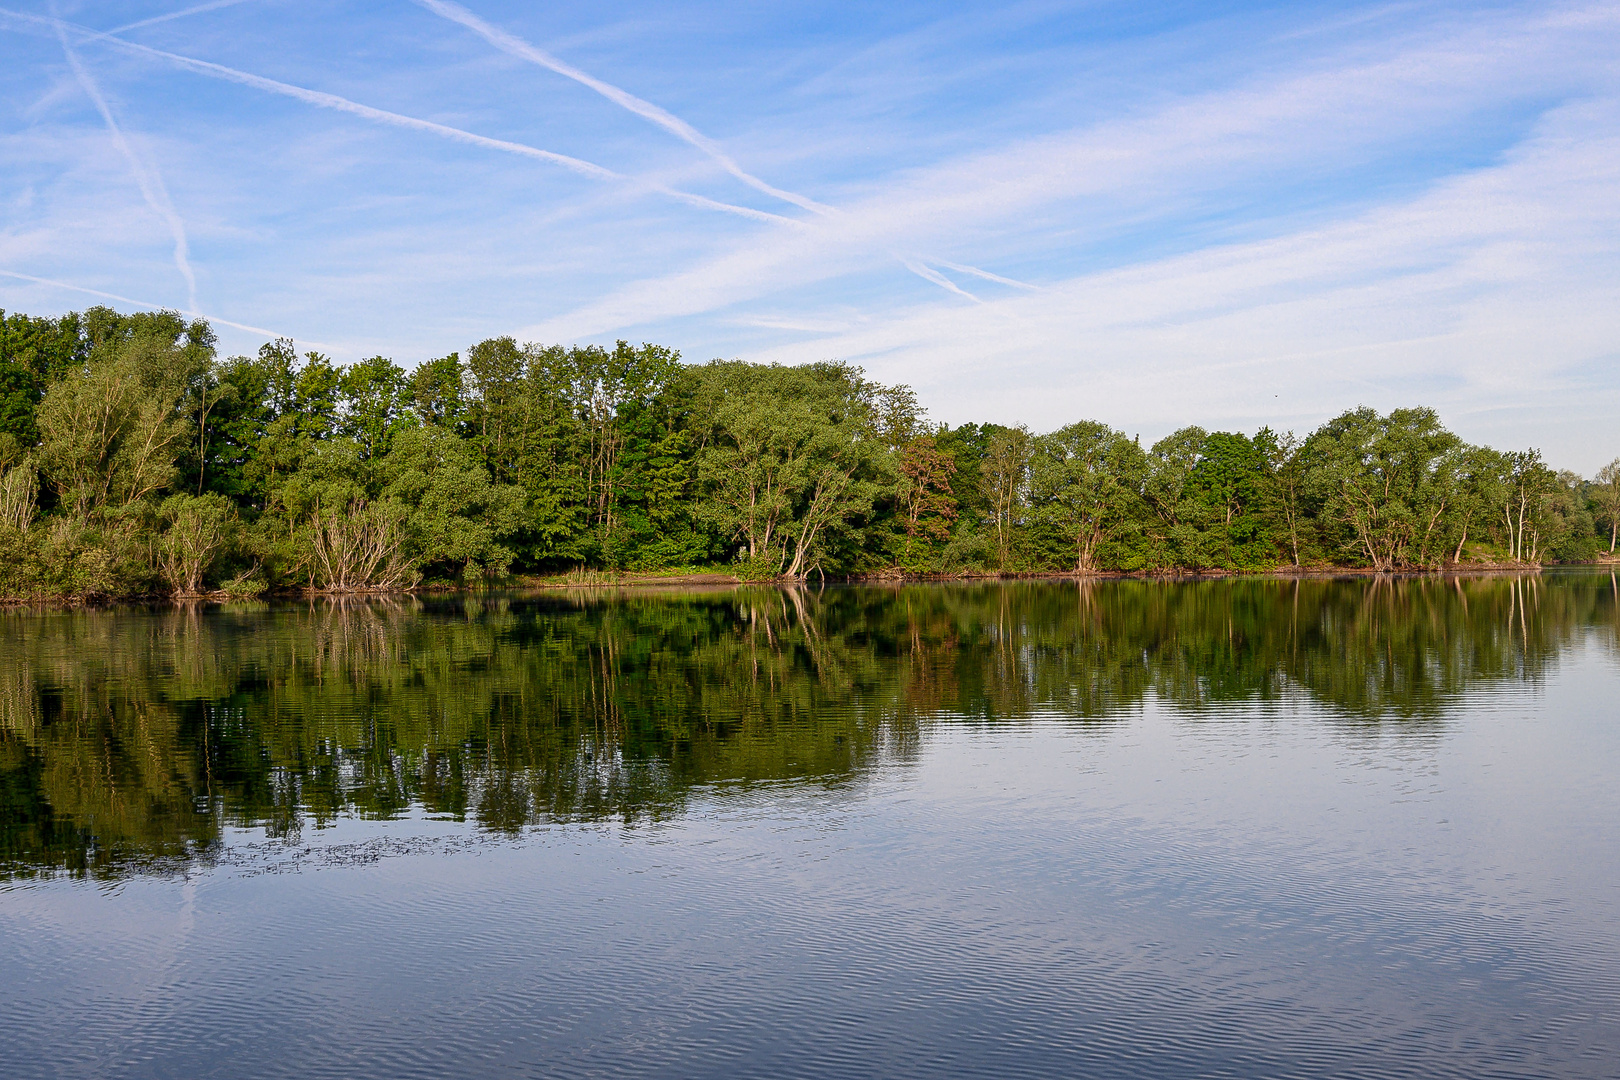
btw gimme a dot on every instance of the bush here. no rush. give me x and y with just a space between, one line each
197 531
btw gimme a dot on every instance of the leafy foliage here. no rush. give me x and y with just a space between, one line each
522 458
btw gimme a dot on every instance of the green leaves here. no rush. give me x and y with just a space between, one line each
112 430
1086 482
196 532
457 519
792 461
1386 484
529 458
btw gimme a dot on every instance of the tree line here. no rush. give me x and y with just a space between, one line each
134 460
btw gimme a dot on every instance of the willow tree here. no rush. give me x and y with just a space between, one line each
1005 480
111 431
792 460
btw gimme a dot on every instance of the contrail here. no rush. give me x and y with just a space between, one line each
142 303
150 181
516 46
671 123
198 10
988 276
324 100
354 108
928 273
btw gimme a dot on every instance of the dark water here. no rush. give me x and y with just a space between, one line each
1250 829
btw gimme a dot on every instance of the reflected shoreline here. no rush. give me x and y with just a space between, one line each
139 735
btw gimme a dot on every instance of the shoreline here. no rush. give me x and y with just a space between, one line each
714 580
907 578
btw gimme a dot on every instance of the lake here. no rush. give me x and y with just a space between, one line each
1328 827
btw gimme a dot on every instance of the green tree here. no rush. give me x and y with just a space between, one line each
1233 476
495 381
1385 483
1606 499
34 352
112 431
792 461
196 532
438 392
457 520
1286 466
1006 478
1086 482
375 401
1170 490
1524 506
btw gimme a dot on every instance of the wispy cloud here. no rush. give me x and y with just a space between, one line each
523 50
1123 170
1501 286
147 176
515 46
588 169
1435 295
1259 216
323 100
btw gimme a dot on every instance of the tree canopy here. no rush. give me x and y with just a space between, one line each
135 460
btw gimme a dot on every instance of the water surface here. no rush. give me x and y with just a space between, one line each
1225 828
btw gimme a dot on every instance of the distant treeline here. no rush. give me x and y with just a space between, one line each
134 460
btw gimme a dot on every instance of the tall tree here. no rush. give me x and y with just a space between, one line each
112 431
1170 489
1086 481
926 499
1233 475
1606 499
790 459
34 352
1386 481
1006 482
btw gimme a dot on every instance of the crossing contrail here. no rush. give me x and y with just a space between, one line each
516 46
671 123
147 178
988 276
928 273
324 100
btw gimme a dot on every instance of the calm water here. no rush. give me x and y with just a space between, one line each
1332 828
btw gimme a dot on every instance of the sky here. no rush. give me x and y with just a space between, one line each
1153 215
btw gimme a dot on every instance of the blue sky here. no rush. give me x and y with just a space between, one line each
1152 215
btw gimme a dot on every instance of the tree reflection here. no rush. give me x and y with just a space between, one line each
132 737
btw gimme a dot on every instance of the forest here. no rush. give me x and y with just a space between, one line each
135 461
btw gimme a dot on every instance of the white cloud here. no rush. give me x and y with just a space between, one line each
1210 224
1304 122
1496 288
1488 288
